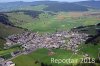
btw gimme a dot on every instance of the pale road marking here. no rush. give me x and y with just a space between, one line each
3 63
71 56
14 57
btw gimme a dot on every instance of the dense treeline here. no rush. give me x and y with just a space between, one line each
91 4
56 7
53 5
94 39
34 14
4 19
27 12
92 30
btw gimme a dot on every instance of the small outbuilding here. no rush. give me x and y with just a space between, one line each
9 63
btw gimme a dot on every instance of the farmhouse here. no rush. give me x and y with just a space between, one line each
1 59
9 63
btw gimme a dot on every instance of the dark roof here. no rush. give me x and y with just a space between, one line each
0 64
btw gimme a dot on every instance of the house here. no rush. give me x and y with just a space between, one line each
9 63
1 59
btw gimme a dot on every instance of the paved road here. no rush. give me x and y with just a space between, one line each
3 63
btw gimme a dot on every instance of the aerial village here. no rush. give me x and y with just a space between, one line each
31 41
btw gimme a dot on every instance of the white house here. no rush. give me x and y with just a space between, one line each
10 63
1 59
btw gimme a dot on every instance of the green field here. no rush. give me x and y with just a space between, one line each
90 49
48 17
50 23
6 53
5 31
46 22
41 55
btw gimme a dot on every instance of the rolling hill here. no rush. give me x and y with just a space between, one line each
9 6
91 4
93 31
48 17
49 6
4 19
5 31
56 7
49 21
9 22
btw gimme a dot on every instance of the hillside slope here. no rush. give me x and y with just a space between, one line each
4 19
6 30
52 6
9 6
92 4
93 31
56 7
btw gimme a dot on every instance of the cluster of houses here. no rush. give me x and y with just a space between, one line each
31 41
6 63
